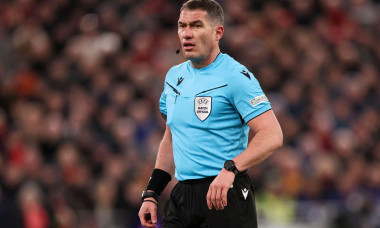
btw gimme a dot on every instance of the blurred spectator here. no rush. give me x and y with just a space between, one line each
31 202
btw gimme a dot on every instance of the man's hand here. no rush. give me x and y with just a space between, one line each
217 192
148 208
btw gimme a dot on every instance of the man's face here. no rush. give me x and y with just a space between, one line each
197 34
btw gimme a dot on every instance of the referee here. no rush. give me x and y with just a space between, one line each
210 103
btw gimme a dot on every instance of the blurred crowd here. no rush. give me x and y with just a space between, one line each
80 124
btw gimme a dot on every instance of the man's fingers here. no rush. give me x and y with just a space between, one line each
148 215
224 196
208 197
153 215
218 199
147 221
213 195
217 192
148 225
144 219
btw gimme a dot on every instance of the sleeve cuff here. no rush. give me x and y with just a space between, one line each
164 116
266 107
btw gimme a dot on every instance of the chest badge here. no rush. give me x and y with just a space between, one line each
202 107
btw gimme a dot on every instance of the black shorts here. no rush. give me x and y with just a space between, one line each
187 206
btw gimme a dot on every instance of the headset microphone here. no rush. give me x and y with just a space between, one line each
178 50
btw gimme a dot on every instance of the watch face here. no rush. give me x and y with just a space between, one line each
229 165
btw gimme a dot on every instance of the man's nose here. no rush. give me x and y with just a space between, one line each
187 33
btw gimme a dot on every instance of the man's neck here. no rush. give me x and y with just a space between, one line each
207 61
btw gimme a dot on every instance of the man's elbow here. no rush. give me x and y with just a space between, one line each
278 139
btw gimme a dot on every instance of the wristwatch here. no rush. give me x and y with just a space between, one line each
230 166
146 194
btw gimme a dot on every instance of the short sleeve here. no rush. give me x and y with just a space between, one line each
163 103
246 94
163 108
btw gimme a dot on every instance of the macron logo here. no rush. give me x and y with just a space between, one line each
245 193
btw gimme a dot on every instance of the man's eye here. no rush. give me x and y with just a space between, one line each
197 26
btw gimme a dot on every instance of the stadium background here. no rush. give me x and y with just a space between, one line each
80 124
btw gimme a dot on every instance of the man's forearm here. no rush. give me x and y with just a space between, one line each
165 160
268 138
262 145
161 175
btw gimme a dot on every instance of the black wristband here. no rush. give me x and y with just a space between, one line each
158 181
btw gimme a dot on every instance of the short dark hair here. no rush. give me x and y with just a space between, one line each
213 9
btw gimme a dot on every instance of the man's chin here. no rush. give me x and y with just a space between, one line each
191 56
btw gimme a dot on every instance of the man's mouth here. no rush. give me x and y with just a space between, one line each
188 46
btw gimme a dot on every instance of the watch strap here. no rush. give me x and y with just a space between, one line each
147 194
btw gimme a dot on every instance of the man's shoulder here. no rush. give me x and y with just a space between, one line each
234 69
231 65
178 67
175 70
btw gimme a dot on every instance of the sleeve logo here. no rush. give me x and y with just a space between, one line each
259 99
245 73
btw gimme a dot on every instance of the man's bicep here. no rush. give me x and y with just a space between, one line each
167 135
266 120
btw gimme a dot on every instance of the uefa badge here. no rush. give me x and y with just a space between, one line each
202 107
259 99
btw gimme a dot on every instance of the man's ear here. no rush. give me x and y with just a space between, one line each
219 31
